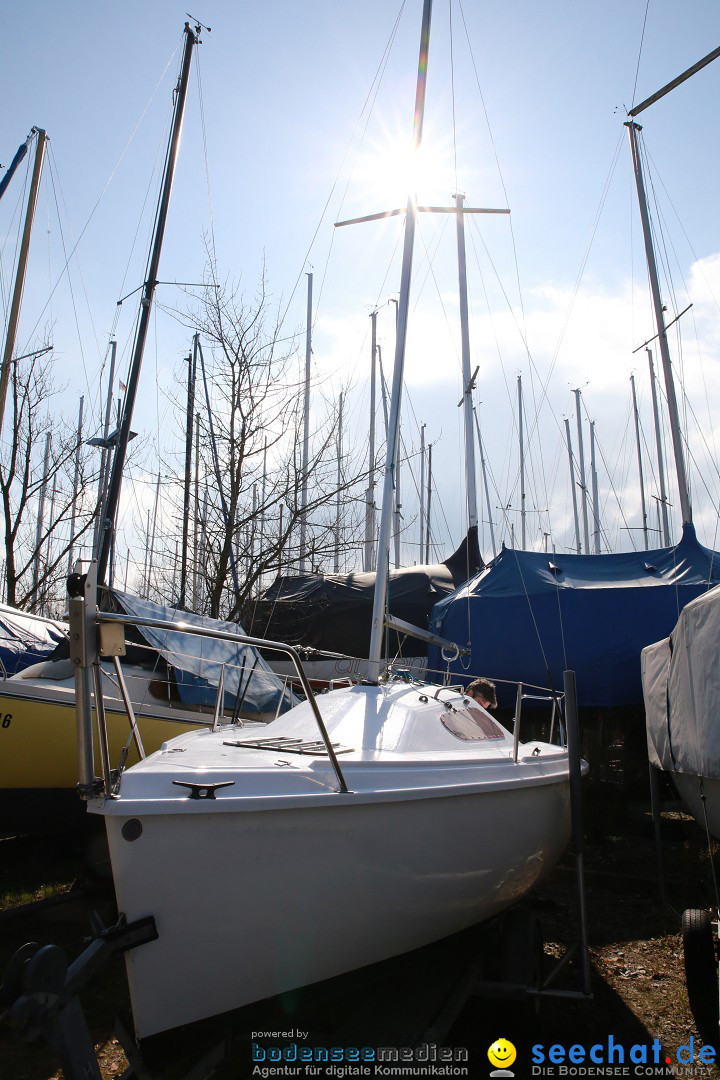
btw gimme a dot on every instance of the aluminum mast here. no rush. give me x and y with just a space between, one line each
148 292
381 580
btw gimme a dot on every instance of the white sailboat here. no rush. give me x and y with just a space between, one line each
358 826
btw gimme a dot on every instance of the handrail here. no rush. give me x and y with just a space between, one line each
241 639
522 695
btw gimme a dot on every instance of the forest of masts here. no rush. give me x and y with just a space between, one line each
248 495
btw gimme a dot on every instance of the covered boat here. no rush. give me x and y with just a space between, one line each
250 687
172 679
529 615
26 639
681 684
333 612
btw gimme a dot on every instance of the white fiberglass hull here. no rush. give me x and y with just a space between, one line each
280 880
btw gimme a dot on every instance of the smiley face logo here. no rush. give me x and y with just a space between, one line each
502 1053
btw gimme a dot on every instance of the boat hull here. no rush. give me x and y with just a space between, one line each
277 899
38 734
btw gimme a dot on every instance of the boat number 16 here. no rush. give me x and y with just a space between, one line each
6 719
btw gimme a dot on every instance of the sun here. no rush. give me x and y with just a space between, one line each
389 170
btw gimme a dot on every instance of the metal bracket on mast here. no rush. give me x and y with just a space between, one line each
469 388
421 634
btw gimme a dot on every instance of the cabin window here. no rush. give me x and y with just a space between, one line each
472 724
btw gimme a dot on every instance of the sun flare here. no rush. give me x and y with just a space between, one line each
389 171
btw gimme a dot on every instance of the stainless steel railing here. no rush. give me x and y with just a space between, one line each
86 648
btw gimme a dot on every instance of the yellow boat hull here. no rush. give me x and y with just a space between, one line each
38 742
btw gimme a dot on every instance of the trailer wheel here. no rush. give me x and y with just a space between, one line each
701 972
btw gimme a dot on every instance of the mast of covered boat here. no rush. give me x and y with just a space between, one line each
148 291
633 130
674 415
383 563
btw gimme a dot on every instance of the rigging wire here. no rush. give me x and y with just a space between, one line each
642 38
497 160
610 477
203 128
107 185
52 169
452 94
367 105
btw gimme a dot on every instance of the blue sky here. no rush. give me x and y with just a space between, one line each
283 87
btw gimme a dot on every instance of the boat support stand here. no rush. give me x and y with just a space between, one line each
523 978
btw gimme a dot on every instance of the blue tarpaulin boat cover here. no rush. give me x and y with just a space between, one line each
528 616
198 660
26 639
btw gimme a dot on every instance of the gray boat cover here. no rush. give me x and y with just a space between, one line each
681 687
248 678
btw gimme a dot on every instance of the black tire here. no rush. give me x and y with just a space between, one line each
701 972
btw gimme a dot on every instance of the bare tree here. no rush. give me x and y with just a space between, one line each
249 398
38 471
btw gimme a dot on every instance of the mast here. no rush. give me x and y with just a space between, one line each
485 484
422 491
581 466
105 443
196 521
429 497
673 413
149 558
640 468
658 445
381 578
594 487
190 414
398 501
306 425
202 587
398 506
21 269
369 561
522 464
572 485
338 504
470 481
40 523
263 506
148 292
75 484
